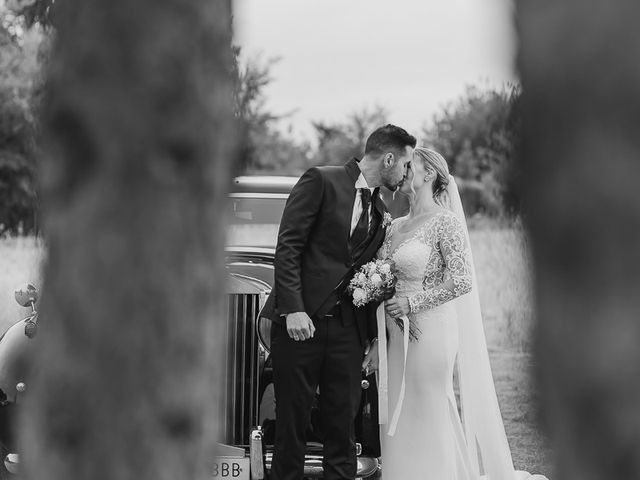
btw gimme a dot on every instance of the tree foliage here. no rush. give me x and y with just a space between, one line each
479 136
338 142
34 11
266 149
20 91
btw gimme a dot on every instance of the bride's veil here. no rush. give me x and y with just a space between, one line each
483 426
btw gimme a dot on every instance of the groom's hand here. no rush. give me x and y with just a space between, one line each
299 326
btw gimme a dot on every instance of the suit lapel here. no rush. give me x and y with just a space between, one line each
352 171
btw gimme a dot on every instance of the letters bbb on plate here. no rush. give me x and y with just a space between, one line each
231 468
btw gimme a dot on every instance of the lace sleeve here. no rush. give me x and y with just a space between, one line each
455 253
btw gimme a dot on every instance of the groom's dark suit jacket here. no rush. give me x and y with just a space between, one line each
314 262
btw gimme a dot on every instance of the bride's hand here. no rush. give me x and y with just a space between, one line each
397 306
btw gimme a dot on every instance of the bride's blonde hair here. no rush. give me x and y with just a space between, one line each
432 160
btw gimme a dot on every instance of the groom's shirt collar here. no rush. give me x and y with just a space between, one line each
361 182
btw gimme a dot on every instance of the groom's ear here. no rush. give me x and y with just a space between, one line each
388 160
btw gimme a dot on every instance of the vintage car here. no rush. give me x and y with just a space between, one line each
16 342
248 408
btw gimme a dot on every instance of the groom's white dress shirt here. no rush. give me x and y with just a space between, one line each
357 204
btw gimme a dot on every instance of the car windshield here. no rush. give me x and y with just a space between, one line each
254 219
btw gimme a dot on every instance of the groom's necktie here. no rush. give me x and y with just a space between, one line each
362 227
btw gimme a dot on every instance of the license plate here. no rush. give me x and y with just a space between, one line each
228 468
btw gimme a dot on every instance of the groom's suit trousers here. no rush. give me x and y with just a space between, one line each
331 360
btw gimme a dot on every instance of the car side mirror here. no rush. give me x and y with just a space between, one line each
26 295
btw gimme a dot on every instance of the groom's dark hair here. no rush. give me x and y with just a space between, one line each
389 137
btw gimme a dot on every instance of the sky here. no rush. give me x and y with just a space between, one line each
410 56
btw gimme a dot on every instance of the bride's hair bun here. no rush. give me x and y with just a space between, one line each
434 161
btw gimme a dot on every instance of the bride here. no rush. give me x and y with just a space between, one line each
434 324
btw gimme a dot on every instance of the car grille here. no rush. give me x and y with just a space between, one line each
241 364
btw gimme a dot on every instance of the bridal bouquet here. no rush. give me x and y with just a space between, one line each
373 282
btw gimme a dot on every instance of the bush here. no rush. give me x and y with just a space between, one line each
478 135
477 199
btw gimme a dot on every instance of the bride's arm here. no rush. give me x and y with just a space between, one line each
455 251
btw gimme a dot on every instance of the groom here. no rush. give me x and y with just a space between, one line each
332 224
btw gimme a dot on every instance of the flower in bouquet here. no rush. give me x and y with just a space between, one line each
373 282
359 295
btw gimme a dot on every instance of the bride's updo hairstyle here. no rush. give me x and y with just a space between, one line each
432 160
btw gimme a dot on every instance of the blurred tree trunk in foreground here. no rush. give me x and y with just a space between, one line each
139 128
581 83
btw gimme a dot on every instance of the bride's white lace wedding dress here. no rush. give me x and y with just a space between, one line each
434 267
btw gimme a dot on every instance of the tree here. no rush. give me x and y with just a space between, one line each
581 84
17 190
139 133
266 149
479 135
34 11
20 89
338 142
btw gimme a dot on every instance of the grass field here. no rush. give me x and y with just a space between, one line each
503 268
504 280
